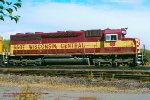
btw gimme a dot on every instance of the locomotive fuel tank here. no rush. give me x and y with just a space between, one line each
68 61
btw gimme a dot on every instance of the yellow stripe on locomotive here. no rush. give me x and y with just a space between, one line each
75 45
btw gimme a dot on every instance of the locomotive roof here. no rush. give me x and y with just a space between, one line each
61 34
40 35
69 33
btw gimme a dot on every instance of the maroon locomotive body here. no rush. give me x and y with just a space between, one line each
99 47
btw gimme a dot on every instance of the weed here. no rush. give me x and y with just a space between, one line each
101 77
113 77
27 94
90 75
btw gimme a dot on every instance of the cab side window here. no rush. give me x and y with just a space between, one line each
111 37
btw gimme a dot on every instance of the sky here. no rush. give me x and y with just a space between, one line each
62 15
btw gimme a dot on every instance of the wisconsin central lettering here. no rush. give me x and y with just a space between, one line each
72 45
49 46
42 46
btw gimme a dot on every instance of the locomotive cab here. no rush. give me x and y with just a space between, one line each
124 50
114 34
112 37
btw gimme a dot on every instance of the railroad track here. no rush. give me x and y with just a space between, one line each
82 71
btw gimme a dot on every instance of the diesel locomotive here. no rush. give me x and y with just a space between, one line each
108 47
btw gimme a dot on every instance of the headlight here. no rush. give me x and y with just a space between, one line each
124 32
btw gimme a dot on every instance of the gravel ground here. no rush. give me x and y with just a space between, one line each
64 88
55 94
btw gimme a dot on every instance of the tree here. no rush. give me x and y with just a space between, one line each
6 44
7 9
148 55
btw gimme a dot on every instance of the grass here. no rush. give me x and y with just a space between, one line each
26 93
90 75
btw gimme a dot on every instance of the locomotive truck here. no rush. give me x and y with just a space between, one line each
108 47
